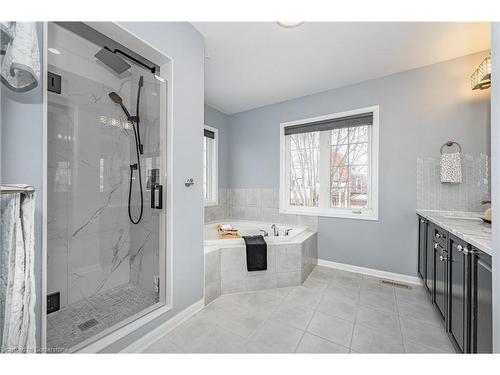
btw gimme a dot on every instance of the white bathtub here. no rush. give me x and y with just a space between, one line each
250 228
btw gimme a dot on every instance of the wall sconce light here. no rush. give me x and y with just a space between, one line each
481 78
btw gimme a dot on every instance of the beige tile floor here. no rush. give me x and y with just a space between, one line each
333 312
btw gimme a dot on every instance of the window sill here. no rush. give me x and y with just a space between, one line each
370 216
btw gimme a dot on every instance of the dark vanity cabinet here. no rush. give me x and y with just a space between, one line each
458 277
422 248
459 288
440 279
429 275
439 243
481 303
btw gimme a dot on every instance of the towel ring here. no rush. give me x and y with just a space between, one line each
449 144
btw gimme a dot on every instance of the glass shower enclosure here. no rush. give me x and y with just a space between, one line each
106 115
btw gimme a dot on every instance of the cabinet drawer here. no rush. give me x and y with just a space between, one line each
440 236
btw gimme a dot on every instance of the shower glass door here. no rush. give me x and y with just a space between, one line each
105 260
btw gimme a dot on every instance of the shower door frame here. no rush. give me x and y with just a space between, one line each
124 36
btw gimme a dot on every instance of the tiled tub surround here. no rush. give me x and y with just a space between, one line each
289 263
467 196
467 226
220 211
254 205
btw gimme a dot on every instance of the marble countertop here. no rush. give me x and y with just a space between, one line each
467 226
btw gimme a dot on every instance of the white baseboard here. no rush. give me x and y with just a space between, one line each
148 339
371 272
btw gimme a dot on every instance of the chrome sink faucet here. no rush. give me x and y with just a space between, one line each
275 229
264 232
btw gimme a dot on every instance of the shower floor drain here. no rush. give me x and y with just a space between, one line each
395 284
88 324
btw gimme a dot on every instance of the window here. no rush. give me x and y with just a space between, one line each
329 165
210 177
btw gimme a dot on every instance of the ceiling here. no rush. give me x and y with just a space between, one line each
252 64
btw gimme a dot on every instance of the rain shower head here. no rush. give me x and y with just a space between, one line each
118 100
112 61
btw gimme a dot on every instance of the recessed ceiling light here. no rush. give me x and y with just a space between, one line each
289 24
54 51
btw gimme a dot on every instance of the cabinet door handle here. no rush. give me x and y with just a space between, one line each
459 247
438 235
442 258
436 246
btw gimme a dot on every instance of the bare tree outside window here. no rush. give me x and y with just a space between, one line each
304 169
349 168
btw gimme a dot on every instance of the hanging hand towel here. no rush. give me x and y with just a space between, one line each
451 168
17 273
20 67
6 35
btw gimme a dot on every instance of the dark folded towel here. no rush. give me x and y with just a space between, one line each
256 253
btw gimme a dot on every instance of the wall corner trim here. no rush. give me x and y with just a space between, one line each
371 272
151 337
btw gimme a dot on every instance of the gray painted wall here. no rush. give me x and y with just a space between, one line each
419 110
185 46
495 179
219 120
21 136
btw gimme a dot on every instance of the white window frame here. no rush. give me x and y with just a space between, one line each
324 208
213 182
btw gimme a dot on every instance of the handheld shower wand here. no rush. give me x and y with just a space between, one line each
134 120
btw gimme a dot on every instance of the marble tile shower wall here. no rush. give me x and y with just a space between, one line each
254 205
467 196
92 247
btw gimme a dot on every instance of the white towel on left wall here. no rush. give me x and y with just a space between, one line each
20 65
17 273
451 168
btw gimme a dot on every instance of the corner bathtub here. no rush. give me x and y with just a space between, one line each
290 259
250 228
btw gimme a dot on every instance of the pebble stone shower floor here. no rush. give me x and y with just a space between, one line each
334 311
107 308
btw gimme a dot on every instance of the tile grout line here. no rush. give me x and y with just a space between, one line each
355 316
